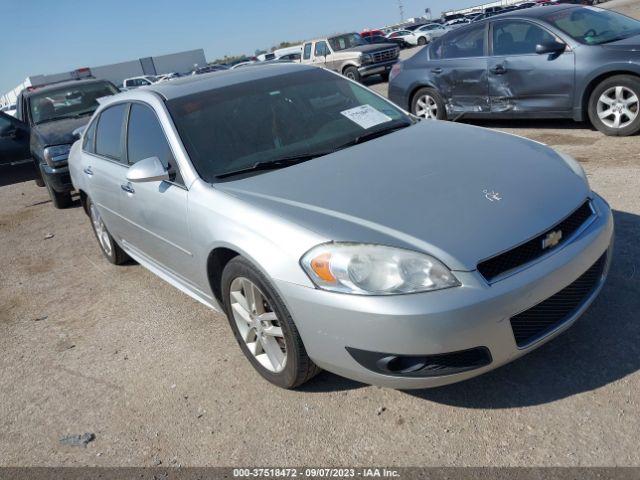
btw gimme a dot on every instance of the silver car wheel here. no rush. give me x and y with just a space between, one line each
258 324
618 107
426 107
101 230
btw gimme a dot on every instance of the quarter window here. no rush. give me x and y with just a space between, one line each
109 132
88 143
307 51
464 44
518 38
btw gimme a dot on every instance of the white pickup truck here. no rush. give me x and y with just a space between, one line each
351 55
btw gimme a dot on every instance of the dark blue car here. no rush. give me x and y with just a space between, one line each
545 62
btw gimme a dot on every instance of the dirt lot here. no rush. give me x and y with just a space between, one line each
157 377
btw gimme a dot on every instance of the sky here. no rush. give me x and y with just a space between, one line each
50 36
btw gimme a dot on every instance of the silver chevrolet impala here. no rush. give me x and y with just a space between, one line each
336 231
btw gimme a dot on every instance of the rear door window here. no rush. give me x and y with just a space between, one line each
109 133
467 43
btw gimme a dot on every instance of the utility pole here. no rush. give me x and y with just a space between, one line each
401 8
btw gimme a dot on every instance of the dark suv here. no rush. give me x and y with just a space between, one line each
50 115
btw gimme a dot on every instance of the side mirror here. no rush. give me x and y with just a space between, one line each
77 133
550 48
147 170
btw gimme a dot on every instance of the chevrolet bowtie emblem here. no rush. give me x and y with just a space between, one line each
551 239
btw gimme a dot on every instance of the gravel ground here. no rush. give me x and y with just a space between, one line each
156 377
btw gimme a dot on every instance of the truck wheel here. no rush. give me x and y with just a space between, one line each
263 327
422 41
59 200
614 106
110 249
352 73
385 76
38 175
427 103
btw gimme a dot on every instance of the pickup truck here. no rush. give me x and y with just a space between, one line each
350 55
44 128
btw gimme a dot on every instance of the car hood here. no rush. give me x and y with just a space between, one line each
631 44
431 187
59 132
373 47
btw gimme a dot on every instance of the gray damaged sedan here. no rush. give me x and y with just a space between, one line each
338 232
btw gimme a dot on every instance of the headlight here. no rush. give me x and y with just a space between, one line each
575 166
363 269
56 155
366 58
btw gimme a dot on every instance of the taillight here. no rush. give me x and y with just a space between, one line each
395 70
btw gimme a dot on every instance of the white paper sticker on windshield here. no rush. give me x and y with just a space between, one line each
597 9
366 116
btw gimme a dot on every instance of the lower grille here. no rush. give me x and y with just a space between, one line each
529 251
422 365
536 322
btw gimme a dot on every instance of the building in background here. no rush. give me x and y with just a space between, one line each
180 62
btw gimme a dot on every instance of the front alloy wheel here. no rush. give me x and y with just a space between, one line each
614 106
258 325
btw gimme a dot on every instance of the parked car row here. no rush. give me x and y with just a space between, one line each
555 62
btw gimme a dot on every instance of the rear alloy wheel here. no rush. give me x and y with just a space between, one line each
614 107
263 326
110 249
427 103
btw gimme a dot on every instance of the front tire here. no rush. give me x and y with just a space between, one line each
59 199
614 106
263 327
427 103
352 73
110 249
422 41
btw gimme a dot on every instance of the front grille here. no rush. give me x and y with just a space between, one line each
529 251
385 55
422 365
536 322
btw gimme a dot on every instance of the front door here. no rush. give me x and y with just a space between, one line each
522 81
14 140
156 211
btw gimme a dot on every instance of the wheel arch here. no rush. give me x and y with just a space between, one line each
216 261
595 81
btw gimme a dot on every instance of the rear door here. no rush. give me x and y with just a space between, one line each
458 69
105 168
14 140
156 211
522 81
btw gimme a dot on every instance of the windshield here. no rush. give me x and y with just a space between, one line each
68 101
302 113
594 26
342 42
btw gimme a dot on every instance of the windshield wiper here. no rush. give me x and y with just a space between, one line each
62 117
275 164
304 157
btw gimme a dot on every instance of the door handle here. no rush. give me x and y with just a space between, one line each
88 171
437 71
127 188
499 70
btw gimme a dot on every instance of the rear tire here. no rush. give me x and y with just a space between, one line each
263 326
614 106
110 249
59 199
427 103
352 73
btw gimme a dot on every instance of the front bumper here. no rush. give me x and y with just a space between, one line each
58 179
376 68
473 315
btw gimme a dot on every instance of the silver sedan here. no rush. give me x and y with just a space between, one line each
336 231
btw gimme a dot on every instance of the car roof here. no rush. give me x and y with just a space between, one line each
532 12
184 86
56 86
